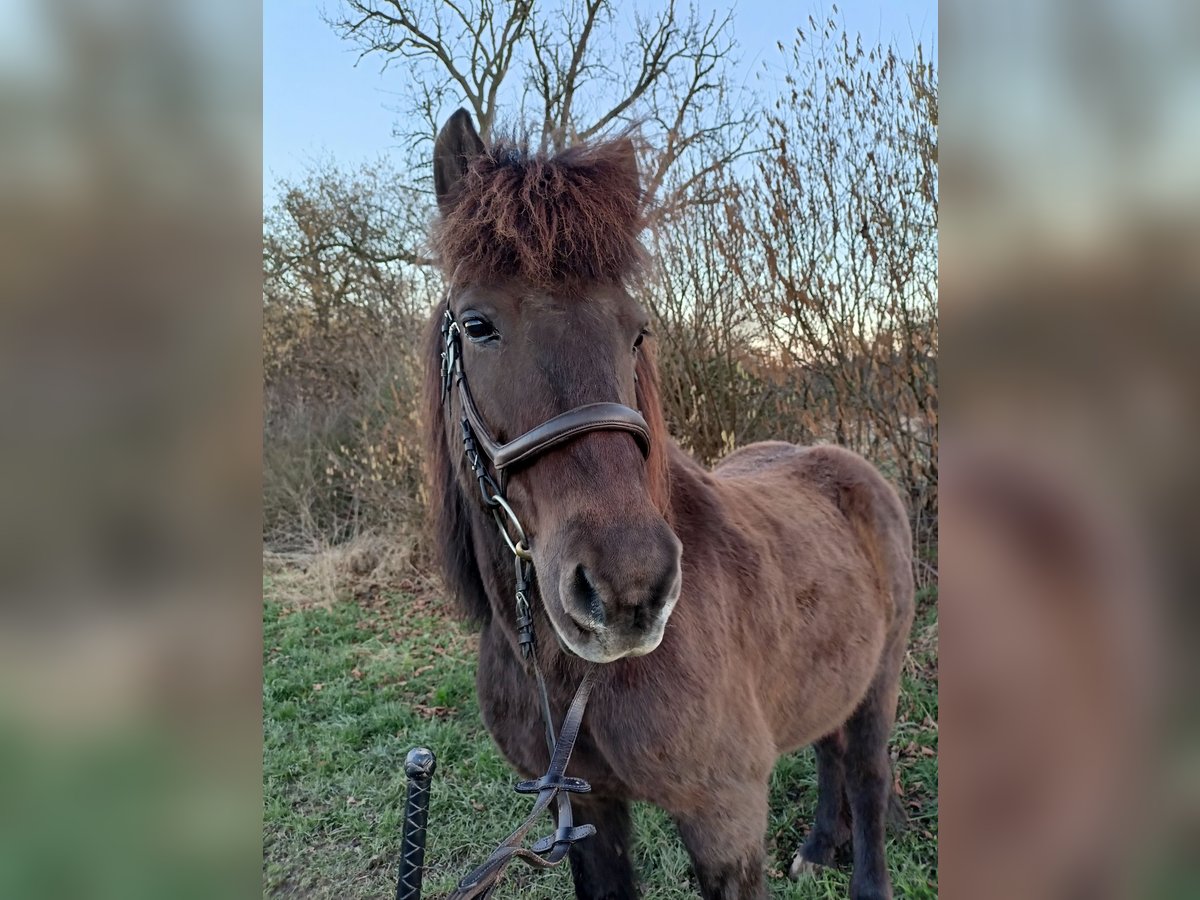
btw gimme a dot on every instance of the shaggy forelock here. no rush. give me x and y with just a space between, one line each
547 220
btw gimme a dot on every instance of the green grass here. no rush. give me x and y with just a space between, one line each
348 690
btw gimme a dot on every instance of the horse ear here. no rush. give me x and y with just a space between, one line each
457 144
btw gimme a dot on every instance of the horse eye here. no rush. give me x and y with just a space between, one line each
641 337
479 329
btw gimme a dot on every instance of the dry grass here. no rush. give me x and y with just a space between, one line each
364 566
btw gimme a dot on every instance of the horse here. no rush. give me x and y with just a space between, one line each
731 615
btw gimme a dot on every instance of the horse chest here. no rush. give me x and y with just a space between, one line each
619 753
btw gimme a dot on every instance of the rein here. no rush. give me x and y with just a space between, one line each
479 444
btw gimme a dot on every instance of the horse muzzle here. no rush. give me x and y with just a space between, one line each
613 604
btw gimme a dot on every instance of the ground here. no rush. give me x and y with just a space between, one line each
350 685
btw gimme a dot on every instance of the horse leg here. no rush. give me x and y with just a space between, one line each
601 864
726 843
869 778
831 824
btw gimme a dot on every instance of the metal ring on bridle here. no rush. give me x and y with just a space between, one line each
520 547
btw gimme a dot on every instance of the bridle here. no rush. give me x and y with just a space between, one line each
481 450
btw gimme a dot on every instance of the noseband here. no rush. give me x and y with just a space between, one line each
480 444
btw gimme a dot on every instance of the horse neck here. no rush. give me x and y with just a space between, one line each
694 506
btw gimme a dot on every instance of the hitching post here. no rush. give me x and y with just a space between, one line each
418 766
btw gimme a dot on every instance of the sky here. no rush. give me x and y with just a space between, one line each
318 105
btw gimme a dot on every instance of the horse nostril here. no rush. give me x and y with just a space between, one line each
589 596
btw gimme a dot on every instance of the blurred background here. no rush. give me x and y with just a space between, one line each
1070 285
129 363
187 406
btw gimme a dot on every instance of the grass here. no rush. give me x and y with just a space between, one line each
349 687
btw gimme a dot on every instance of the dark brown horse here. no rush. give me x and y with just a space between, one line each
740 613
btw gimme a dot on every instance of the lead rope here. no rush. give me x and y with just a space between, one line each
555 786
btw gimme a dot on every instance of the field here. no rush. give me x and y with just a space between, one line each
350 684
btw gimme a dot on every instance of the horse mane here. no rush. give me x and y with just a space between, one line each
454 545
549 220
649 401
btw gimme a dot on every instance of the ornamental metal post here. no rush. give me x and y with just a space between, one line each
418 766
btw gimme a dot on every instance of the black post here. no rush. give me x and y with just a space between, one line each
418 766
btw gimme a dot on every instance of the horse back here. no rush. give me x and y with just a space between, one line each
792 476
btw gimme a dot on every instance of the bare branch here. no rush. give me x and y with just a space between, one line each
572 60
657 58
591 9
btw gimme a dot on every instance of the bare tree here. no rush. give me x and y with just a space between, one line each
714 394
582 69
344 306
847 230
337 239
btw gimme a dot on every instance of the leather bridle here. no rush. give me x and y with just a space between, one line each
533 443
479 445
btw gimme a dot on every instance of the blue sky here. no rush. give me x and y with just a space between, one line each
318 105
